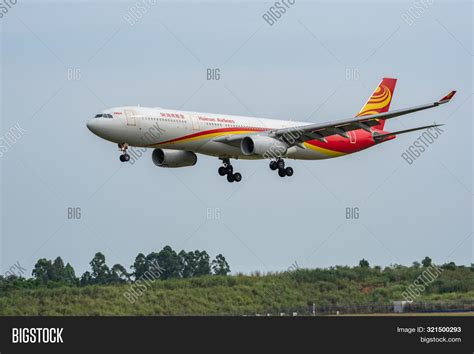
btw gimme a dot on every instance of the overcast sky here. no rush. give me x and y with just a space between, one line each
320 61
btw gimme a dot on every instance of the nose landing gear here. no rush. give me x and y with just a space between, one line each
123 148
228 169
279 165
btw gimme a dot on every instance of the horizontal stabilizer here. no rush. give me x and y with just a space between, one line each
379 137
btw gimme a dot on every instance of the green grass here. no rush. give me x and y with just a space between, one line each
239 294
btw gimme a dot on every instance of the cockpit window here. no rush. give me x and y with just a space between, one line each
98 115
103 116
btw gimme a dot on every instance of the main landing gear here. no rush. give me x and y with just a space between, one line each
123 148
228 170
279 165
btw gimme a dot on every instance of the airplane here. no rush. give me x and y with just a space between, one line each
177 136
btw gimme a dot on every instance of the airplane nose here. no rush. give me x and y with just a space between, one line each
100 127
92 125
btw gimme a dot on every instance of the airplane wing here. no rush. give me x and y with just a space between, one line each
319 131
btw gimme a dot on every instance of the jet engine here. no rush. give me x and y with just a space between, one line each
265 146
173 158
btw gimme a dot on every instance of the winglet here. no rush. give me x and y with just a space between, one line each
448 97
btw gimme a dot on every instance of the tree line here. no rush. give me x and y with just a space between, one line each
425 263
172 265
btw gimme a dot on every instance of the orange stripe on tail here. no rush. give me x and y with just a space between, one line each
380 100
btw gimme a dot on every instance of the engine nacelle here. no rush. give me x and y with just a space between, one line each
265 146
173 158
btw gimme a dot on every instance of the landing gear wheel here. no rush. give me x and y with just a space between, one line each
281 172
228 169
273 165
281 164
123 147
125 157
289 171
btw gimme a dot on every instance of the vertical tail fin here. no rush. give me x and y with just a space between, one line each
379 101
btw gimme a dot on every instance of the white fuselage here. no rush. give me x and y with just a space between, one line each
193 131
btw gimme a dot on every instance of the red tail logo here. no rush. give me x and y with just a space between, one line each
380 100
